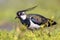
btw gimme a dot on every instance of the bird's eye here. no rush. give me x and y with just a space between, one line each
22 14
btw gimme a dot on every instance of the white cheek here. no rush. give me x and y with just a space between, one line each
23 17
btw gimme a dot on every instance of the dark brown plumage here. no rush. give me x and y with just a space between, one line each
39 19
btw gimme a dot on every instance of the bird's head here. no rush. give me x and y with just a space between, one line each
21 14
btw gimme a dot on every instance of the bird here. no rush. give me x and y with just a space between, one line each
33 21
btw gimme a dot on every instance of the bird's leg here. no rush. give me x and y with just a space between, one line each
49 34
30 29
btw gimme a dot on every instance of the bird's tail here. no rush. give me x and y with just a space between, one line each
51 22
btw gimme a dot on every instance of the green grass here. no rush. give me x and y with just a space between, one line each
47 8
45 34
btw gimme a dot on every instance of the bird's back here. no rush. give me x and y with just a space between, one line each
39 19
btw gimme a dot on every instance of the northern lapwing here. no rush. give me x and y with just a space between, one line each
33 21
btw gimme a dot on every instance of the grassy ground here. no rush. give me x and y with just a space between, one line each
47 8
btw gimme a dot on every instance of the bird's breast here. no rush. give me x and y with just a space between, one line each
26 22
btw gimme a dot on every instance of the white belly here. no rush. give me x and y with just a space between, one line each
33 26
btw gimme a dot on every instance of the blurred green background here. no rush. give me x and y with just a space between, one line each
47 8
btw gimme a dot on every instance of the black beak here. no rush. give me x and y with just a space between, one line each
16 17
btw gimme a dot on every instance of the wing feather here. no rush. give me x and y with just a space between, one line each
38 19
